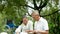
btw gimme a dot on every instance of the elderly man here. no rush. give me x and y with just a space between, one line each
40 25
26 25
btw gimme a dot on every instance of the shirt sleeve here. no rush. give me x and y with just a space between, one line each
31 25
18 29
45 25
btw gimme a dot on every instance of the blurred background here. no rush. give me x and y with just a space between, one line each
12 11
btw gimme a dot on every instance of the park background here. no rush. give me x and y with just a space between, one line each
15 9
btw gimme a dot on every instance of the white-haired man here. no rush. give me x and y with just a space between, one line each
40 25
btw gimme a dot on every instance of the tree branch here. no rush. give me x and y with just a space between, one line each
44 4
29 6
40 3
35 6
29 14
26 6
51 14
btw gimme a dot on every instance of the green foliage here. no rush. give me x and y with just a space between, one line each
2 22
17 2
15 9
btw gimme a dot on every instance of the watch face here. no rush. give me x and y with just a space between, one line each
23 33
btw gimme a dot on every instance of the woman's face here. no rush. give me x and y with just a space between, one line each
25 20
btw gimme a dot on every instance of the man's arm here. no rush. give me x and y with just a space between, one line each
38 31
17 32
42 32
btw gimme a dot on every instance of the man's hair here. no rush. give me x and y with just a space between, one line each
35 12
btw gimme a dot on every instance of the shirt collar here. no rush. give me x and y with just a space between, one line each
40 18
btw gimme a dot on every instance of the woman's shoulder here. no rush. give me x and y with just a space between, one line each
30 22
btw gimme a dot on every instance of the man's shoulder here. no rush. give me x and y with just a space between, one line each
43 19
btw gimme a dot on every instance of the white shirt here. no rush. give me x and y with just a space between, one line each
23 27
42 24
3 33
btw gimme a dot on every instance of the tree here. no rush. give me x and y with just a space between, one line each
15 9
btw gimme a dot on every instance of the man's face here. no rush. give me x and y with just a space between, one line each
25 20
35 17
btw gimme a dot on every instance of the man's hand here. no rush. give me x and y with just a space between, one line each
40 31
32 31
29 30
